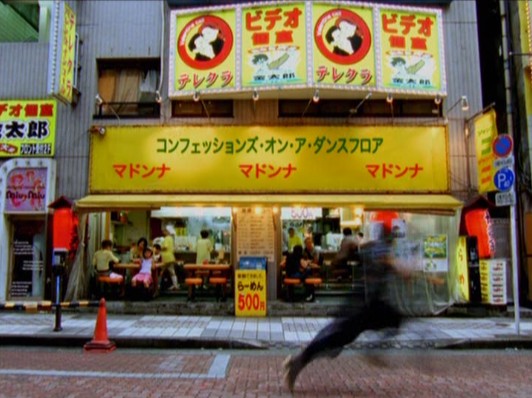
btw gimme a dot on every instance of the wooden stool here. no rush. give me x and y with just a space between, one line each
192 283
220 283
311 283
290 283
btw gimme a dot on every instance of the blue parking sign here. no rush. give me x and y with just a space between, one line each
504 179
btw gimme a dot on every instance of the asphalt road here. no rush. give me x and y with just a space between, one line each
46 372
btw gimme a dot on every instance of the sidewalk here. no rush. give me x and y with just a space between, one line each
167 331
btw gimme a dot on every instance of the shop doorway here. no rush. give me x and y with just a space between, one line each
27 259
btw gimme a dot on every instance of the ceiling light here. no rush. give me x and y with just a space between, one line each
316 96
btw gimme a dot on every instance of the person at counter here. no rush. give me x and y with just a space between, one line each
348 252
297 266
203 248
293 239
103 259
168 257
309 252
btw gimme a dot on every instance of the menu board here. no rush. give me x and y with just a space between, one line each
255 234
493 281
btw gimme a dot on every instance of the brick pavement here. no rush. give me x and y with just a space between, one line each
36 373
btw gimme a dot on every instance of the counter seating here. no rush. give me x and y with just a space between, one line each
216 275
289 284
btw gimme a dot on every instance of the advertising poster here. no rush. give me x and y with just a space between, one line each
485 133
435 257
204 51
343 52
28 253
269 159
27 128
26 190
274 50
410 49
250 293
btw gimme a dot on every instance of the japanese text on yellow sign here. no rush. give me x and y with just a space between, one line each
27 128
274 45
410 49
462 268
68 50
485 133
250 293
343 45
270 159
205 51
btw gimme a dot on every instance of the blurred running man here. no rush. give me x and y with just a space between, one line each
379 312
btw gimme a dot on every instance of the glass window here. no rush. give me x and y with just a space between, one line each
128 88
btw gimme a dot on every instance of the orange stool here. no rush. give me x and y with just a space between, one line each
105 281
220 283
311 285
192 283
290 283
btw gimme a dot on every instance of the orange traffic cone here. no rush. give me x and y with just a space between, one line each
100 342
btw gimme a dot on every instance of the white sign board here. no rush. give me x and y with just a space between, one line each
505 198
504 162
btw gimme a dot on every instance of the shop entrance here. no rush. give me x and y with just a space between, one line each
27 259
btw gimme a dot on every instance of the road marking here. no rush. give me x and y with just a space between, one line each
217 370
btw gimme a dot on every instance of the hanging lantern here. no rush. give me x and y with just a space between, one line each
385 217
478 223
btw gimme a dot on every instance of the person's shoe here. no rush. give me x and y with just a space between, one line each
291 368
309 298
173 288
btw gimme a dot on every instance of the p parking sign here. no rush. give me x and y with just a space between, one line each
504 179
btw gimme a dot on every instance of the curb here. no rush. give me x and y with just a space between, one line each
131 342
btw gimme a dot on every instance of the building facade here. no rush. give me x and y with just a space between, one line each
156 123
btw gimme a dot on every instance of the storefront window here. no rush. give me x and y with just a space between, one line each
422 245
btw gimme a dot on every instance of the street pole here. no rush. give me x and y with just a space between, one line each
509 115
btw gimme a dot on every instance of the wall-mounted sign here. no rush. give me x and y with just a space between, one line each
307 44
27 128
62 59
343 46
269 159
485 133
274 45
203 51
410 49
26 190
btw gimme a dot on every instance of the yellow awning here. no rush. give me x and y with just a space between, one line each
425 202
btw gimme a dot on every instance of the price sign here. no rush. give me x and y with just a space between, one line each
250 293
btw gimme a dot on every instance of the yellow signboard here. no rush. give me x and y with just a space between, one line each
343 45
27 128
463 271
274 45
485 133
269 159
250 293
410 49
203 51
68 51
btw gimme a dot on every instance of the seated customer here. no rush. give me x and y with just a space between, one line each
146 266
298 267
102 260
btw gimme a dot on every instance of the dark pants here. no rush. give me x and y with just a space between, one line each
332 338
